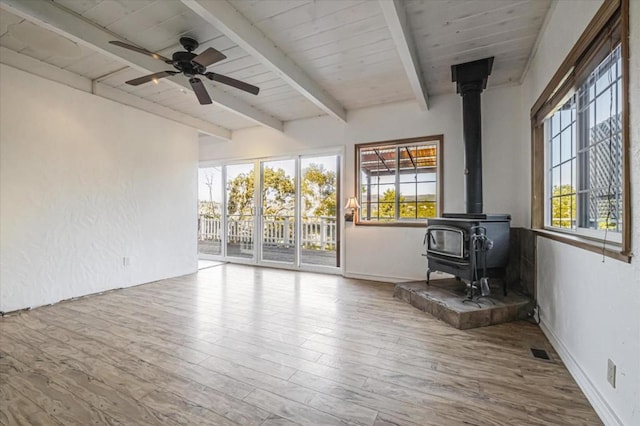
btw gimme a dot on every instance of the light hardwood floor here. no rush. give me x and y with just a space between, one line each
242 345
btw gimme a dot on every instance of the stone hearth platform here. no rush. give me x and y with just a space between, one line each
443 299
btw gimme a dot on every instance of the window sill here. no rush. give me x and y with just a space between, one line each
585 244
422 224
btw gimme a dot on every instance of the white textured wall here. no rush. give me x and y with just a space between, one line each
590 309
84 182
387 253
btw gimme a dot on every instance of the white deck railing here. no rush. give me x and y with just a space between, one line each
317 232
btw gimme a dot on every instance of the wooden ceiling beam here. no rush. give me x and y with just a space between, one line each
70 25
68 78
226 19
396 18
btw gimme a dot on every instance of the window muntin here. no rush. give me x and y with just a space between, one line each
600 147
584 154
562 159
398 182
608 28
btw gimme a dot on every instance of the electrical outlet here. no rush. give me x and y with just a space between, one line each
126 261
611 373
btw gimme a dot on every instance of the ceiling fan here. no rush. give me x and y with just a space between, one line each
191 65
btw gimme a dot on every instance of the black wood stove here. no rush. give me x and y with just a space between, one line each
472 246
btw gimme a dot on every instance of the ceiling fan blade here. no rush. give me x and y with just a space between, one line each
233 82
141 50
208 57
147 78
200 91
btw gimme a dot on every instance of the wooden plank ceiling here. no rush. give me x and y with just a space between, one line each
449 32
345 47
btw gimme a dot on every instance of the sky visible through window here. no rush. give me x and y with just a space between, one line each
328 162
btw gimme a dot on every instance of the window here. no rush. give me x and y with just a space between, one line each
600 147
581 182
561 128
279 211
399 181
584 152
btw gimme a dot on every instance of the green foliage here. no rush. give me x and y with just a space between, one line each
318 191
388 204
278 197
426 209
209 209
563 211
279 193
387 208
240 191
563 207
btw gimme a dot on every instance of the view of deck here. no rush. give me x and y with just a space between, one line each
318 240
272 253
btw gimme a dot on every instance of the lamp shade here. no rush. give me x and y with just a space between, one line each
352 203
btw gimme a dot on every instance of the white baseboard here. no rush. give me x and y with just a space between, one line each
603 409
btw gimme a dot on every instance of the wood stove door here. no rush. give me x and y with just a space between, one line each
446 241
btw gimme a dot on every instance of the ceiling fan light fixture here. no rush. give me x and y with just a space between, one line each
190 65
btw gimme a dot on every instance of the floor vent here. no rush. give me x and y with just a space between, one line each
540 353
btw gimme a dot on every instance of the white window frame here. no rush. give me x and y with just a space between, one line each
257 162
613 237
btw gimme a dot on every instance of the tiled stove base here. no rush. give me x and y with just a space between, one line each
443 299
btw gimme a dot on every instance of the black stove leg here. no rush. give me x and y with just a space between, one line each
428 275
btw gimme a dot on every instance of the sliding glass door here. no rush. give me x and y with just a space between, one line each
274 211
241 207
210 210
319 213
278 192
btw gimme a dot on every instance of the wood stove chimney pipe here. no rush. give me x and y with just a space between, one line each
471 79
